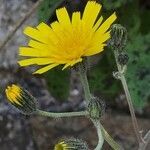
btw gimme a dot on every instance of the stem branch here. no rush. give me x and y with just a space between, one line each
129 100
143 145
59 115
84 81
100 130
99 133
110 140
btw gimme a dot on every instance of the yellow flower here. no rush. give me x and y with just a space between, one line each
71 144
21 99
67 41
61 146
13 94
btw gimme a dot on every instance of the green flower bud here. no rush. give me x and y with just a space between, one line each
71 144
21 99
118 37
95 108
123 58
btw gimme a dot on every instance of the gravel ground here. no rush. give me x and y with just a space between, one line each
16 131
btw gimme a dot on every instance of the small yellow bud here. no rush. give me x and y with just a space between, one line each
21 99
71 144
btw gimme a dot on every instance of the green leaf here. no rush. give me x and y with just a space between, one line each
138 74
46 9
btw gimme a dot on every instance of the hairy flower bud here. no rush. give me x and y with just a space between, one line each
95 108
71 144
118 37
123 58
21 99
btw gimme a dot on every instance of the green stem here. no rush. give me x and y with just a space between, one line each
59 115
129 100
144 144
96 123
99 133
84 81
110 140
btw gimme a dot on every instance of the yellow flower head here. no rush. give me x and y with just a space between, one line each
67 41
61 146
71 144
21 99
13 94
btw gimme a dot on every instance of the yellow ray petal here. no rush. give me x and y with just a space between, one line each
106 25
61 33
38 61
98 23
71 63
100 38
8 96
44 48
91 12
63 16
56 27
46 30
66 65
28 51
76 61
44 69
35 34
76 17
37 45
94 50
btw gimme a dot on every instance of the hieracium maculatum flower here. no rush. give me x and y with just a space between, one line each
21 99
68 40
118 37
71 144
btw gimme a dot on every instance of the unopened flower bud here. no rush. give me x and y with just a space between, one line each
118 37
95 108
71 144
123 58
21 99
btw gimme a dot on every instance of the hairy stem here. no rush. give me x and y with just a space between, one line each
59 115
99 133
143 145
110 140
129 100
100 129
84 81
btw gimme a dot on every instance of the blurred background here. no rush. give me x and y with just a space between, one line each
60 91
